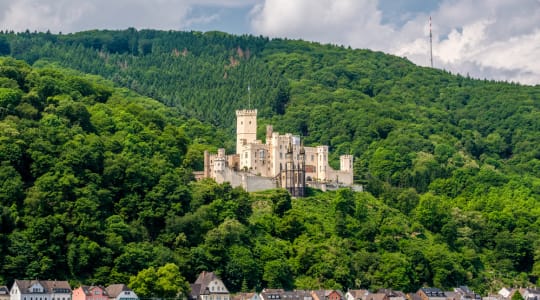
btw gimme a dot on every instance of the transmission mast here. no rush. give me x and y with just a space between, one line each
430 44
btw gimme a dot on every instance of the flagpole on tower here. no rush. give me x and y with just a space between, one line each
249 95
430 44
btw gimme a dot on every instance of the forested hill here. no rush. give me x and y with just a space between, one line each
408 126
451 164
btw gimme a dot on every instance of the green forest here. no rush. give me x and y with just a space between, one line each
101 132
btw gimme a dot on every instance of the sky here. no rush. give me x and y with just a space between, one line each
492 39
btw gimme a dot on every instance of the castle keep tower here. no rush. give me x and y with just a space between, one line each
246 128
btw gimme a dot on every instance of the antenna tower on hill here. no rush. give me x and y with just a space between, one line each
430 44
249 95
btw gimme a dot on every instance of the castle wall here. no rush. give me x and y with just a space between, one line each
341 177
228 175
259 183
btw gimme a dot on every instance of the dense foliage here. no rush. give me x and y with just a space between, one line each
451 165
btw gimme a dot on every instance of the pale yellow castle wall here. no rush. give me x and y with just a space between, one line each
252 161
342 177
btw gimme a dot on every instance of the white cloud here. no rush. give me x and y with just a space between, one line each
496 39
339 22
76 15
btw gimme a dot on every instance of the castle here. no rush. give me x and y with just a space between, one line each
282 161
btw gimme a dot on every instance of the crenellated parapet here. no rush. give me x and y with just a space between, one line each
246 112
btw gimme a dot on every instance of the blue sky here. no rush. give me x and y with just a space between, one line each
493 39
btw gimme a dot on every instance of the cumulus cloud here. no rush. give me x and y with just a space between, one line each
77 15
495 39
74 15
339 22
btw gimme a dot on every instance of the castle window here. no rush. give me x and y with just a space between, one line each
312 157
241 123
246 155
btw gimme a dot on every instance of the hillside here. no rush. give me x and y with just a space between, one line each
451 164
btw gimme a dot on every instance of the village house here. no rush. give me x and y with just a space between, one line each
356 294
85 292
4 293
327 295
392 295
120 292
503 294
530 293
279 294
271 294
429 293
246 296
40 290
376 296
209 287
462 293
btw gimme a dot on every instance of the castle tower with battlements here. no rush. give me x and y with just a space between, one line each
246 128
